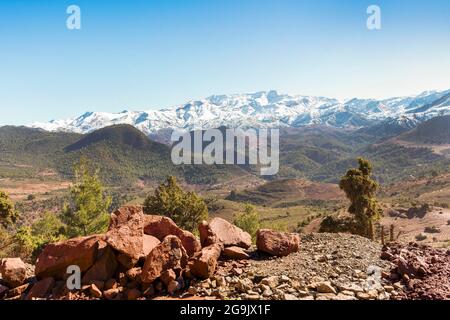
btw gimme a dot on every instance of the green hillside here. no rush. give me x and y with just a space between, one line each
122 153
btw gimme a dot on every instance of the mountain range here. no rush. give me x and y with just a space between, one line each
268 109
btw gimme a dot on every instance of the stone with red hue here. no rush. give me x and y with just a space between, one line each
56 257
226 233
277 243
41 288
161 227
104 268
235 253
13 271
204 263
169 254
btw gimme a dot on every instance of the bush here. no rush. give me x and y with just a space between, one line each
31 240
186 209
7 213
421 237
432 229
248 220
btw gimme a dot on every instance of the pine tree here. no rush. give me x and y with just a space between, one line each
186 209
87 211
360 189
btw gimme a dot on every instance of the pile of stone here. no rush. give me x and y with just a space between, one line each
139 257
423 272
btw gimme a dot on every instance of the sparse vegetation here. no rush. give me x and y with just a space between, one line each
187 209
248 220
432 229
7 213
421 237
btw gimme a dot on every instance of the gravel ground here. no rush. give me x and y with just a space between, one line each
327 267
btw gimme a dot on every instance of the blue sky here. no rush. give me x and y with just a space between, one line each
139 55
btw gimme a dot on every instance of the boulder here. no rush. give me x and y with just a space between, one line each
204 263
150 242
103 269
41 288
277 243
161 227
125 215
207 236
56 257
126 235
235 253
226 233
13 271
168 276
169 254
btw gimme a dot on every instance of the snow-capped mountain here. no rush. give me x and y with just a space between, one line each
266 109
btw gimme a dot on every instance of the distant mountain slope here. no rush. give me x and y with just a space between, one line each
122 153
433 131
263 109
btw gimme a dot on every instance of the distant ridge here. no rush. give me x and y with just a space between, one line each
268 109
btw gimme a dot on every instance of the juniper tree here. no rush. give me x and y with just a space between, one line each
87 211
360 189
186 209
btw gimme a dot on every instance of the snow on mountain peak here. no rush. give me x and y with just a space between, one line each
269 109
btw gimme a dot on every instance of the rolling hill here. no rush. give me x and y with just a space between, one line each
122 153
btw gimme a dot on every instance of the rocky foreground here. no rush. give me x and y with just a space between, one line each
149 257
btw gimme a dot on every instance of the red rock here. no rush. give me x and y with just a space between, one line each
126 234
207 236
235 253
169 254
125 215
56 257
204 263
41 288
161 227
277 243
228 234
134 274
167 276
150 242
103 269
13 271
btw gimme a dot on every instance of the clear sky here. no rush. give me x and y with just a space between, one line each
139 55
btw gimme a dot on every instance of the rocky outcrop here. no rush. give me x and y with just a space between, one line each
423 271
169 254
161 227
13 271
56 257
277 243
220 230
125 235
104 268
